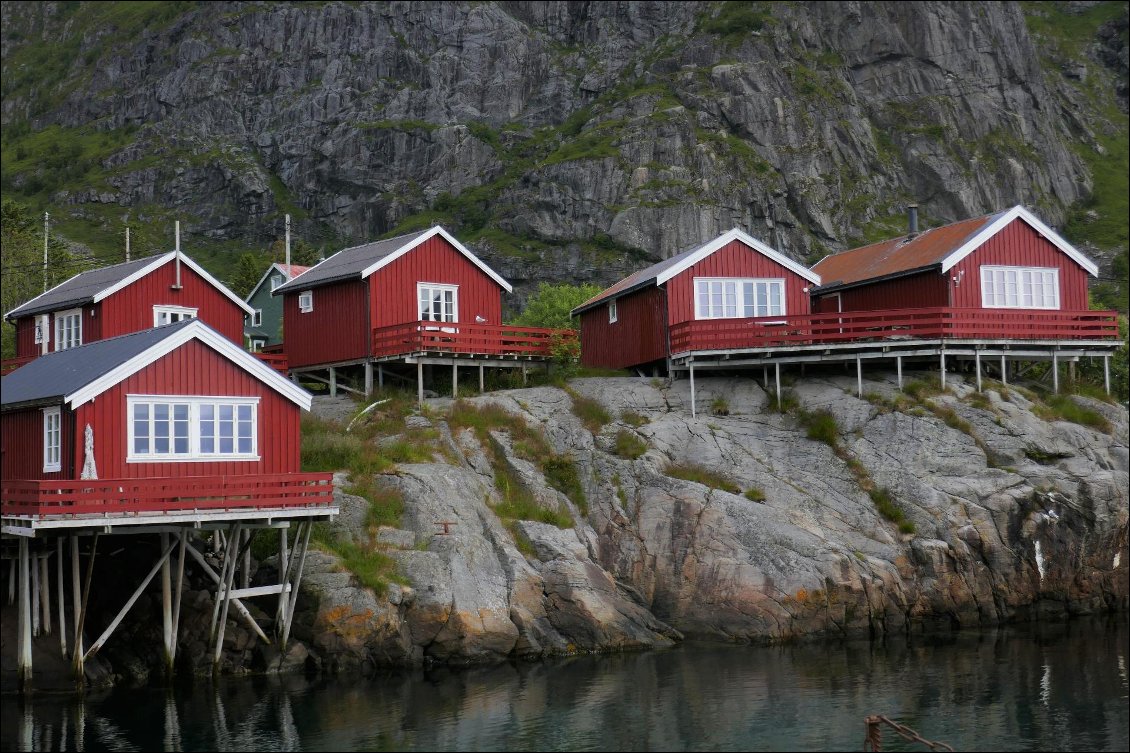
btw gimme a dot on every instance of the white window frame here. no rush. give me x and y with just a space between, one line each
738 300
257 344
179 312
257 318
276 282
52 440
194 454
1007 287
65 337
43 333
440 287
613 312
306 301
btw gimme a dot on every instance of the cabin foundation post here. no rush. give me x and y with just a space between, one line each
239 608
765 377
33 564
25 616
1106 373
1055 372
482 382
245 570
45 585
167 607
12 581
177 599
523 375
284 564
62 597
368 378
943 370
79 656
224 601
380 377
1004 370
228 564
454 379
691 370
977 364
898 365
777 368
419 386
333 382
305 545
859 377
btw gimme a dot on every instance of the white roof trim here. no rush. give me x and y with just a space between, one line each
33 300
199 331
721 241
437 230
274 265
161 261
1003 221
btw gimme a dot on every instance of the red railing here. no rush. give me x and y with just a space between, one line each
468 339
164 495
896 324
8 365
276 361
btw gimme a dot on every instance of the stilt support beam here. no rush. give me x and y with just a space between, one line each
129 604
691 371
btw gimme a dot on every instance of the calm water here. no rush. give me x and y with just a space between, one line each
1055 687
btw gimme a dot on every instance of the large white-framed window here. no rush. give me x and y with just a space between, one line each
438 303
52 440
1019 287
306 301
68 329
176 428
613 313
171 314
737 298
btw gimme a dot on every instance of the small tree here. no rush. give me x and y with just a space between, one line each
550 306
248 270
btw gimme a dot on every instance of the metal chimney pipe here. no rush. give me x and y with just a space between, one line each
912 219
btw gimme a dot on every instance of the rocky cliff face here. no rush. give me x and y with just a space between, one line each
1014 517
584 135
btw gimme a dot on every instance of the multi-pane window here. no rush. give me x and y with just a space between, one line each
180 428
1020 287
171 314
438 303
68 329
52 440
306 301
734 298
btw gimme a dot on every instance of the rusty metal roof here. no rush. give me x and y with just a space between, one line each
899 255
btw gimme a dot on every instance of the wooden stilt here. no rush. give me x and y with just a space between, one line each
380 377
280 612
977 364
239 608
482 382
523 375
898 364
777 366
35 592
1004 370
691 370
94 647
420 383
12 582
1055 372
177 593
943 370
62 597
225 599
25 619
765 377
368 378
454 379
301 557
228 564
45 586
859 377
1106 374
78 658
167 607
245 569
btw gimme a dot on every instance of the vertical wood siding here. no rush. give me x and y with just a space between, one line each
21 445
639 335
733 260
25 337
131 309
1018 245
393 297
192 369
336 330
911 292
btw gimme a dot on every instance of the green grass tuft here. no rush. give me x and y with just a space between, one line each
755 494
592 414
629 445
820 426
1063 408
702 475
890 510
631 418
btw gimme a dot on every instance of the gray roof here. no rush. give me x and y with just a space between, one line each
49 378
348 263
81 288
638 279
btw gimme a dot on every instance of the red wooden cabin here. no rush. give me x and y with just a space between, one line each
124 298
1004 275
170 419
734 282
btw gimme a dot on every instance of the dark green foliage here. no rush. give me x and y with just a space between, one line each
551 304
735 21
890 510
820 426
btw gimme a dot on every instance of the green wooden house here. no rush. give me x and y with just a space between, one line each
264 326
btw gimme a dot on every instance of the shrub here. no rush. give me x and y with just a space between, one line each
628 445
702 475
756 494
561 473
821 426
719 406
632 418
920 389
887 507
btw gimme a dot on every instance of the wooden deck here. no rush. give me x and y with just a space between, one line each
458 338
38 503
869 327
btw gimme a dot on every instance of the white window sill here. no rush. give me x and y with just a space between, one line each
191 458
52 468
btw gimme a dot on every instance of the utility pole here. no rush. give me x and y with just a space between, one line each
46 218
127 242
288 275
176 255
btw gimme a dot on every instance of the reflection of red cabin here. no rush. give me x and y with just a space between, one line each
179 418
123 298
732 280
996 263
331 312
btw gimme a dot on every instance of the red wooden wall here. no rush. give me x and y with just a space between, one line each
638 336
21 445
911 292
735 259
392 288
191 369
336 330
1021 246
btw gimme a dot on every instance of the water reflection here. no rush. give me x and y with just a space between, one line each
1058 687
